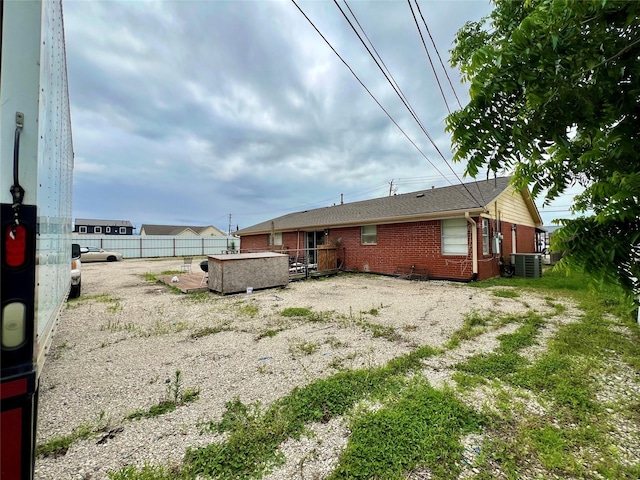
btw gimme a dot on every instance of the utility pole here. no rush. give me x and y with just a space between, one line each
229 224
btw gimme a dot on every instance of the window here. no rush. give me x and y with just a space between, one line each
275 239
97 229
123 230
369 234
108 229
454 237
82 229
485 236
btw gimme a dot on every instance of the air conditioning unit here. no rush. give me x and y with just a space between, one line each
527 264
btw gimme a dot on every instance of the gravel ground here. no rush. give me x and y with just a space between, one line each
118 346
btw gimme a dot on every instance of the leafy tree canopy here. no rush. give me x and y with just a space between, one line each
555 99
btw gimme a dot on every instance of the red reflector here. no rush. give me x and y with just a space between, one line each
15 246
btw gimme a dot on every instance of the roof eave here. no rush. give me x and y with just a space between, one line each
376 221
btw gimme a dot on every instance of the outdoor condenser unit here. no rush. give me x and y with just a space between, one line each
527 264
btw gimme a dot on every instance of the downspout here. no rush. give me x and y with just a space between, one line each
474 243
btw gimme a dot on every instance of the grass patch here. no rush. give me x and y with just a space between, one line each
58 446
302 347
114 326
251 447
474 325
296 312
306 313
199 297
211 330
505 293
420 428
268 333
175 397
247 310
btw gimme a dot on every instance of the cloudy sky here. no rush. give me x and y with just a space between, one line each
186 112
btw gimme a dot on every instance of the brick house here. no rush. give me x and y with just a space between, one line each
103 227
454 233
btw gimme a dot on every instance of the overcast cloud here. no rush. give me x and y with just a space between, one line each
185 112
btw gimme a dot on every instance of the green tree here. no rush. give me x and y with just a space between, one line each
555 100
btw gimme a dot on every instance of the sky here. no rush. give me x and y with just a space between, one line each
230 113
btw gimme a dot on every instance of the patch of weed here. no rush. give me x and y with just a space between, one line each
176 396
302 347
247 310
335 342
117 326
253 436
474 325
268 333
505 293
211 330
421 427
199 297
59 445
296 312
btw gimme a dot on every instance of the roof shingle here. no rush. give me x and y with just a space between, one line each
430 202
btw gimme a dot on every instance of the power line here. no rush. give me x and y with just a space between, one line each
446 74
429 57
368 91
410 109
435 74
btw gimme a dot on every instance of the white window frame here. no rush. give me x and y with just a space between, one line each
455 238
97 229
82 229
107 229
275 239
369 235
123 230
486 248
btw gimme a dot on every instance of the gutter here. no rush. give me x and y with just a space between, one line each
474 242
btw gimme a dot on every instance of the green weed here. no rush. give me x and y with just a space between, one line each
421 427
296 312
176 396
59 445
211 330
505 293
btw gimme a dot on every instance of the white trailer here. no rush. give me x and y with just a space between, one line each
36 175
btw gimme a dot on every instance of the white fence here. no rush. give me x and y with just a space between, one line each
147 246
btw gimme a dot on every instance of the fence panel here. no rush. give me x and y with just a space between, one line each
148 246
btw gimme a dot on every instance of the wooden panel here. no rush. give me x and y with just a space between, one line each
512 208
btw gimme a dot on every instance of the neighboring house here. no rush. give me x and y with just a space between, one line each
103 227
175 230
457 232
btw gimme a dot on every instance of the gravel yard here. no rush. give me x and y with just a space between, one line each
118 348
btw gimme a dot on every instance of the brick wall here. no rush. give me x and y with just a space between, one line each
407 244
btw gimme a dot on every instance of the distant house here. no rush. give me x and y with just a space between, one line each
103 227
175 230
457 232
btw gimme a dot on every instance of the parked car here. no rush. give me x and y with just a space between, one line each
96 254
76 271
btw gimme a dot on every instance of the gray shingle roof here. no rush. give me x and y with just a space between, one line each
472 196
103 223
170 229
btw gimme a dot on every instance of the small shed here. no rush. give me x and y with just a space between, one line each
234 273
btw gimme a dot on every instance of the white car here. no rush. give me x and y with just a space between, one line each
96 254
76 271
